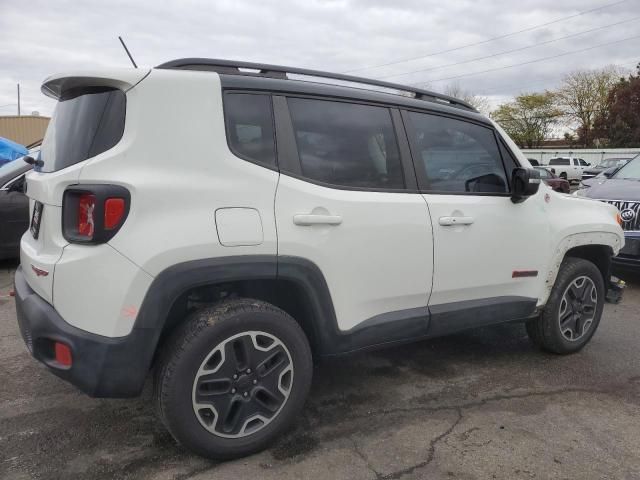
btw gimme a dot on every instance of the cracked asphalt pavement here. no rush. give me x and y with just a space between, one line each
482 404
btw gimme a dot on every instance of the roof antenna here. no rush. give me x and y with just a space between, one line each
127 50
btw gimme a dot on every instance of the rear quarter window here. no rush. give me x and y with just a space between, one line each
249 124
85 123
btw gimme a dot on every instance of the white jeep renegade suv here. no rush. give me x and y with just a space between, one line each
218 222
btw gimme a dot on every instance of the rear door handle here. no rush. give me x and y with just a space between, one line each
449 221
308 219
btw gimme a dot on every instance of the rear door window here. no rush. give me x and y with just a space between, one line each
346 144
85 123
559 161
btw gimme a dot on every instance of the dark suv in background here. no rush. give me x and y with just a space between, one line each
622 189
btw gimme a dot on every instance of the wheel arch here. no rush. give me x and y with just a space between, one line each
596 247
293 284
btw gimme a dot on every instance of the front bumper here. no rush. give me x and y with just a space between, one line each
102 366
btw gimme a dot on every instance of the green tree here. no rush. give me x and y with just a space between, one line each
619 123
528 119
583 96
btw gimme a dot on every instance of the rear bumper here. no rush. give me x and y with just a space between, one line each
102 366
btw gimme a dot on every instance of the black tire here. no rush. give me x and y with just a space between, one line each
563 176
194 341
545 331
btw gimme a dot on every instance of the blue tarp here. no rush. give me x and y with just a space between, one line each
10 150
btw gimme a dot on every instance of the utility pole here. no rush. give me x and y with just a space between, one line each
18 99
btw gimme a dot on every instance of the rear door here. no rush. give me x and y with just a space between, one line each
348 202
484 271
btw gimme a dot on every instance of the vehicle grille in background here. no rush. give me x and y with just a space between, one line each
624 206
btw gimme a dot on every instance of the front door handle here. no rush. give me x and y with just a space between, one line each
449 221
308 219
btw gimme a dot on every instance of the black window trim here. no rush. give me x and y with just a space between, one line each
411 134
289 159
274 167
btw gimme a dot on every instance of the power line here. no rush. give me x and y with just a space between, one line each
529 29
531 61
511 51
522 87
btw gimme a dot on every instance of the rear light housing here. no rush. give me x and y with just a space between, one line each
93 214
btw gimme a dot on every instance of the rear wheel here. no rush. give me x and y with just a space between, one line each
233 377
573 311
563 175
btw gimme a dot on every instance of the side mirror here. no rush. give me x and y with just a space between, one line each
609 173
524 183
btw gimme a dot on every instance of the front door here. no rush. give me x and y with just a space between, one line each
486 264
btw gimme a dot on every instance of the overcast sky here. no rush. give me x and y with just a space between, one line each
41 37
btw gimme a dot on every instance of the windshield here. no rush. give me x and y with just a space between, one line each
85 123
631 171
613 162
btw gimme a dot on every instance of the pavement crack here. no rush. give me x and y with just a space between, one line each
481 402
365 459
432 451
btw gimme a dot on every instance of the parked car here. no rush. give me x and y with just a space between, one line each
14 207
605 164
558 184
533 162
224 271
569 168
599 177
622 190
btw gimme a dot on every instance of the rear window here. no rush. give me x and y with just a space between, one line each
85 123
559 161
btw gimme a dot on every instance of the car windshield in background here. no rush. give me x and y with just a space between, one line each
613 162
631 171
84 124
544 173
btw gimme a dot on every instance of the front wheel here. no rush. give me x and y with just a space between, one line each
573 310
233 377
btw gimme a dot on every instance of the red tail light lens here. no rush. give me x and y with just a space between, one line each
86 217
93 214
114 209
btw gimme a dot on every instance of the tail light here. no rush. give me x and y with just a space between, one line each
94 213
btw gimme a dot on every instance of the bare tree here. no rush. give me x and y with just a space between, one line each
583 96
479 102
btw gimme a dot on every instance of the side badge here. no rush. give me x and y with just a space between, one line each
547 197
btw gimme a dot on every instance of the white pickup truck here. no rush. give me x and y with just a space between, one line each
569 168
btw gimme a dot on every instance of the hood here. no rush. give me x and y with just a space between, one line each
614 189
594 170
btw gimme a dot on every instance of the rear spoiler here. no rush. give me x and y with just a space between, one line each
123 79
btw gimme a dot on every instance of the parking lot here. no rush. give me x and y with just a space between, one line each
482 404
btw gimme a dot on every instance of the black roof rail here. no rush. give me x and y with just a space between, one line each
233 67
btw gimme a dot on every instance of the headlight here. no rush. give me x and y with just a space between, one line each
581 193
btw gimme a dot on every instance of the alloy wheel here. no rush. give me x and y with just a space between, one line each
242 384
577 308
